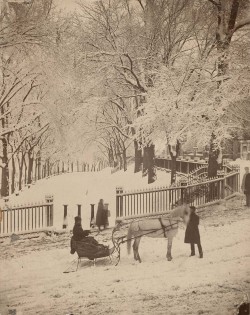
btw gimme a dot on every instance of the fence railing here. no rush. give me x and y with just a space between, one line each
190 167
14 219
163 199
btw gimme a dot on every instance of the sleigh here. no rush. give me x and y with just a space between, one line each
91 250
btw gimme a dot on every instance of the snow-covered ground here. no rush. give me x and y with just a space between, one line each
33 280
85 188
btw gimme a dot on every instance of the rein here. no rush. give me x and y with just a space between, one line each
124 239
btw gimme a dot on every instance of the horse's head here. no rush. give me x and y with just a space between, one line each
181 211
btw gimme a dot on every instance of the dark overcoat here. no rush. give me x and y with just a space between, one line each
79 233
100 215
192 234
247 184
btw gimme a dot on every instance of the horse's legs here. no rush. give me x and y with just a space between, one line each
170 241
136 248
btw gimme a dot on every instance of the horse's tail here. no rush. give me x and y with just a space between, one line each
129 240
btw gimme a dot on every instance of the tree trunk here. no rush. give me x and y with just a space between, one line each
25 171
30 167
174 153
124 157
145 162
21 172
39 168
138 157
111 157
151 164
173 169
5 169
214 159
35 169
13 175
120 160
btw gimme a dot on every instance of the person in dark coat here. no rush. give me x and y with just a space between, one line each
101 215
95 249
246 186
192 234
78 232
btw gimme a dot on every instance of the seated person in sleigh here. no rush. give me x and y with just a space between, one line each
85 245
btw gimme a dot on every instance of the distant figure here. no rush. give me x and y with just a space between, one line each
101 215
246 186
192 234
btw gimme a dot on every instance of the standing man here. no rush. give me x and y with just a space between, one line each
192 234
246 186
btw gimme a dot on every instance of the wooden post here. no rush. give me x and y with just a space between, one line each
49 210
79 210
65 219
221 192
119 202
92 214
184 184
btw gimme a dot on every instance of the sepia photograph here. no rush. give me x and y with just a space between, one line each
124 157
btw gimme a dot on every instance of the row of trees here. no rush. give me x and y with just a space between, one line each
37 91
171 72
118 79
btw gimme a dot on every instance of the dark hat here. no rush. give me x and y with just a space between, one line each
192 208
77 219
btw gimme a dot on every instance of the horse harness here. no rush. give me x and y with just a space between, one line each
164 226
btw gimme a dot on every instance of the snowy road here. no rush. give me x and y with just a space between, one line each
34 282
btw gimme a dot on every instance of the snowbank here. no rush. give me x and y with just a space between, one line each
85 189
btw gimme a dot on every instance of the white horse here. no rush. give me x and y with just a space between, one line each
157 227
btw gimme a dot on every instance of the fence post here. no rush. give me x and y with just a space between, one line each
49 201
79 212
65 219
119 202
221 175
184 184
92 214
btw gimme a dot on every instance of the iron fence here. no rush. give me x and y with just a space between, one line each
163 199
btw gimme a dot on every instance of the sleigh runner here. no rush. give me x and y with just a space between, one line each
90 249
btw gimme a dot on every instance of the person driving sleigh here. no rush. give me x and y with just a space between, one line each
93 248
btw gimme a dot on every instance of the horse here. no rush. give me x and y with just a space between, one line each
158 228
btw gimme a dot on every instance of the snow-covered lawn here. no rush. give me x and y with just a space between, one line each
33 280
85 188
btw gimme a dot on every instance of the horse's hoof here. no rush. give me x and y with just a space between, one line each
169 258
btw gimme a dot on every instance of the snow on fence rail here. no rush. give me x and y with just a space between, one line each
14 219
163 199
192 167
